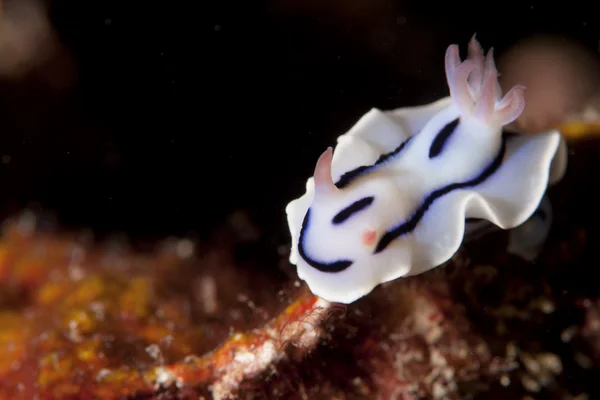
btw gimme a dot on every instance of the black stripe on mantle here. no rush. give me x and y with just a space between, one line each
351 175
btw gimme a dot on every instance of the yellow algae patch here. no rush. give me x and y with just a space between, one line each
90 354
579 130
3 261
154 333
51 292
29 270
54 368
79 323
13 340
136 299
89 351
87 291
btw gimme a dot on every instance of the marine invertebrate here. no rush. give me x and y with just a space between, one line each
393 198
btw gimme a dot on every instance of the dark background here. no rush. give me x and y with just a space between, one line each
186 111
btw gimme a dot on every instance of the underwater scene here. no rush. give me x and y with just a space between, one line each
299 199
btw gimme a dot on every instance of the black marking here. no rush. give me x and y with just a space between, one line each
441 138
333 267
353 208
411 224
384 157
349 176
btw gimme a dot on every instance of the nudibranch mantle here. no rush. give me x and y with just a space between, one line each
394 197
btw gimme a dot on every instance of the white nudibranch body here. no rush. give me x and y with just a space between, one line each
394 198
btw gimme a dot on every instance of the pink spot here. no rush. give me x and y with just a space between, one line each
368 237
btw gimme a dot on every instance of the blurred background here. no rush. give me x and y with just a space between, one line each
161 119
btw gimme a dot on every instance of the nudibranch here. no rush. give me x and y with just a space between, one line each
394 198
